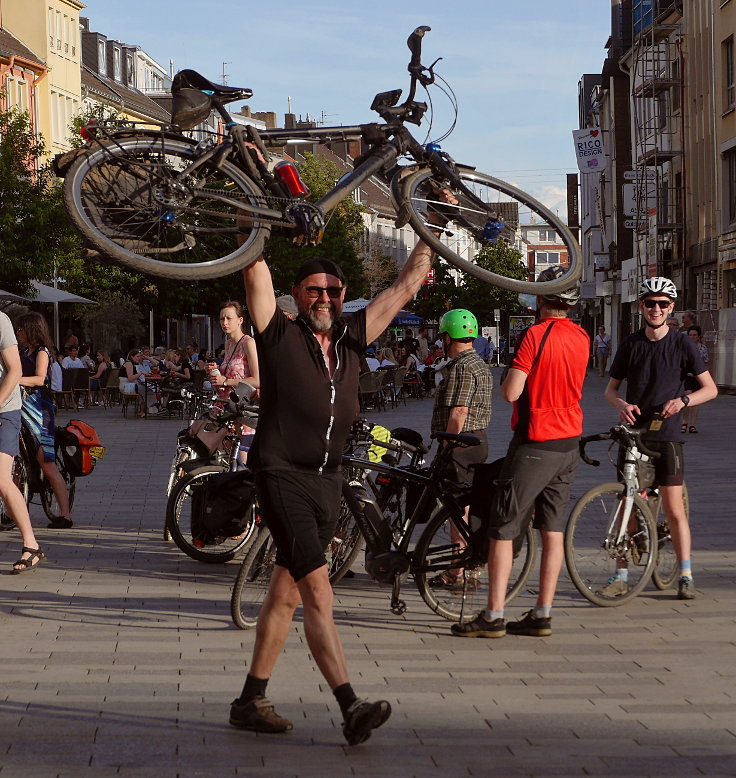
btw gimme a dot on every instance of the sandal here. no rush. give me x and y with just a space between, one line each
683 428
28 564
693 429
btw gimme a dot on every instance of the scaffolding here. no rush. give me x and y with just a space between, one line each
657 87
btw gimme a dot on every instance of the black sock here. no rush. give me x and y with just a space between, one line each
345 696
254 687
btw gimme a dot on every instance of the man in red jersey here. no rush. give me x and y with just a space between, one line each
545 384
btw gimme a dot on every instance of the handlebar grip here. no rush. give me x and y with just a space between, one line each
385 444
414 42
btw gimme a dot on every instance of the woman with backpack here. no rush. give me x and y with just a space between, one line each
39 410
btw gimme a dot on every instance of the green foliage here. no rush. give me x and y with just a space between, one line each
34 230
341 240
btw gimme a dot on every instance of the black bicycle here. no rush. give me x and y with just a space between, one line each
620 525
157 201
446 544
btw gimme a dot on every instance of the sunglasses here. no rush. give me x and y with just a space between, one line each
661 304
316 291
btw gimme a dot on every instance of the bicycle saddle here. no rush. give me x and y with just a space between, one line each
194 80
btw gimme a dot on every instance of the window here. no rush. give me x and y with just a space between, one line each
131 69
547 258
51 23
547 236
117 66
58 30
66 34
730 185
102 58
729 88
675 73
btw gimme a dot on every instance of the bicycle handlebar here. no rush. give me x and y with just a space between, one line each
621 433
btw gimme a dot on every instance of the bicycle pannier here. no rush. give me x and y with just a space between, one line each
220 506
80 447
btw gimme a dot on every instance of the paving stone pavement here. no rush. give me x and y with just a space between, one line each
120 657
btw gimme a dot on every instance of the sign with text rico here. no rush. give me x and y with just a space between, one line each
589 150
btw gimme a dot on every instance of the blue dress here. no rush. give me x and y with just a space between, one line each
39 410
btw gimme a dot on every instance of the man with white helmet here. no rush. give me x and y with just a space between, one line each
654 362
545 384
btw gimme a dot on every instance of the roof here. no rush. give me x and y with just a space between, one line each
129 99
10 46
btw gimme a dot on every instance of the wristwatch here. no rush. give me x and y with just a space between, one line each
685 399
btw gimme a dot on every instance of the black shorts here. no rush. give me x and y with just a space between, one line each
532 480
301 511
670 466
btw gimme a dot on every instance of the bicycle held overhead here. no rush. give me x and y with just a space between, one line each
157 201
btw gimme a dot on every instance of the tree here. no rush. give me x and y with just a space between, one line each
379 271
35 235
341 239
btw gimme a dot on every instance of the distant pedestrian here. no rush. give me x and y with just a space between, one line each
602 347
690 414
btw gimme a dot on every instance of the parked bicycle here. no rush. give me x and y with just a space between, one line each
619 525
211 513
447 544
156 201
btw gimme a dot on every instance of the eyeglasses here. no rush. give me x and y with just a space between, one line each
316 291
661 304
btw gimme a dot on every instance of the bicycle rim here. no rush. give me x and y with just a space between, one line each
185 526
345 545
251 585
131 203
436 553
592 553
480 197
48 499
667 566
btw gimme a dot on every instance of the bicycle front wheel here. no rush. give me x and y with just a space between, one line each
184 522
48 499
438 553
20 479
345 544
667 565
595 549
480 201
251 585
135 200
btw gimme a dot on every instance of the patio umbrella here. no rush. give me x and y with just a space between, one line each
10 297
49 294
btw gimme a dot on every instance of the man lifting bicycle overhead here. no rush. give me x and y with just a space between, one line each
309 396
654 362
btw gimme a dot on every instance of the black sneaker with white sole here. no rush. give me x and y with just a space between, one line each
362 717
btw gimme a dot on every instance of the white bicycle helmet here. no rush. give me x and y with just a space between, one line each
569 297
657 285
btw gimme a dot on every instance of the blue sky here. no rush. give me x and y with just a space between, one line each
514 66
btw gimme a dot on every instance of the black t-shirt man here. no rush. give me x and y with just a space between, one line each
655 372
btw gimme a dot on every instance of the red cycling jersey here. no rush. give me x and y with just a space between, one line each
549 407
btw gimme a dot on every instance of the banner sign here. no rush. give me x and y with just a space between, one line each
589 150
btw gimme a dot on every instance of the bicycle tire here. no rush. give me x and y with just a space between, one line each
122 198
179 522
254 577
410 193
433 555
345 545
20 479
48 498
591 559
667 566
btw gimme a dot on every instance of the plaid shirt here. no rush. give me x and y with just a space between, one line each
467 383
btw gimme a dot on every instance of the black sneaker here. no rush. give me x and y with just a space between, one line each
480 627
60 522
362 718
529 625
258 715
686 589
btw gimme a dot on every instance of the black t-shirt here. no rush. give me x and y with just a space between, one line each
305 416
655 372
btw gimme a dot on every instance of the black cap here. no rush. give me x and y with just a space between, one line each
319 265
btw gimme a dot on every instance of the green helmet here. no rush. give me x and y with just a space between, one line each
459 324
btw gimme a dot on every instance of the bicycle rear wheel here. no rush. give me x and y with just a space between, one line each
20 479
437 553
667 565
251 585
481 200
593 553
184 523
132 202
48 499
345 545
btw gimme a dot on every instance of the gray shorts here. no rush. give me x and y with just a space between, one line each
9 433
532 480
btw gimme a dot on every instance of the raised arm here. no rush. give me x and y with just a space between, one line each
260 297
